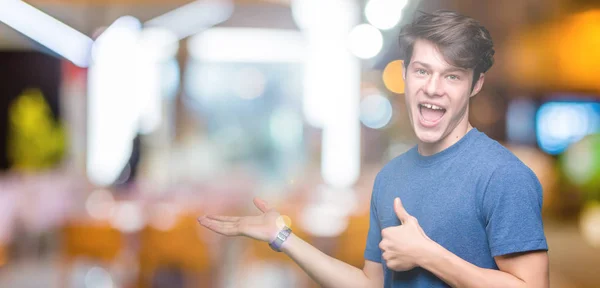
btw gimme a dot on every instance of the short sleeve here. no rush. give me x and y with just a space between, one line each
512 206
372 251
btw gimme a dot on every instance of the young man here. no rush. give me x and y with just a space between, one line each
478 207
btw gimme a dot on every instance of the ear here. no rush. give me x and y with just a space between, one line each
403 71
478 85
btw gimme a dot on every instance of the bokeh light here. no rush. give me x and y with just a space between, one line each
313 15
384 14
392 76
98 277
283 221
164 216
589 224
561 123
328 215
581 163
375 111
127 217
577 51
323 220
552 56
365 41
100 204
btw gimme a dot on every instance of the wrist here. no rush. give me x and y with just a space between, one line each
285 247
273 236
431 252
281 237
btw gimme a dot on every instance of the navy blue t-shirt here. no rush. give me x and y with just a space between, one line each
475 198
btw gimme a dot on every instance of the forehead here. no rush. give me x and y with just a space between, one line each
428 53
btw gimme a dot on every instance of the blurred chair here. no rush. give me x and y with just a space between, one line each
96 241
351 243
179 252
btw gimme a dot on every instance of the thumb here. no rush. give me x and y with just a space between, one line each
261 204
400 211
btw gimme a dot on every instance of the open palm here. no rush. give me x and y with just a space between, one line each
262 227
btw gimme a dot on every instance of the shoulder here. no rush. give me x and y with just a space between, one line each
498 160
507 176
501 173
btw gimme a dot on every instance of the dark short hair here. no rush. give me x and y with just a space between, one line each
462 40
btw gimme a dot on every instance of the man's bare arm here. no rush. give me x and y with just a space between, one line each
325 270
526 270
330 272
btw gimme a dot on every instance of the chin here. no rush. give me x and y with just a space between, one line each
427 135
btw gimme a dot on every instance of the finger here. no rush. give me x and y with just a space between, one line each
223 218
261 204
400 211
223 228
382 246
384 233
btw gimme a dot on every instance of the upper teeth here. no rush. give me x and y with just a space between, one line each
430 106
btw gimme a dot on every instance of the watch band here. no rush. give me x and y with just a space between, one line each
280 238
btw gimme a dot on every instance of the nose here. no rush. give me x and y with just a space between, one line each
433 86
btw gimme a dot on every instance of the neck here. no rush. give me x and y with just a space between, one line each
428 149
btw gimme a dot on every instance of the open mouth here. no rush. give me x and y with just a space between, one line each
430 112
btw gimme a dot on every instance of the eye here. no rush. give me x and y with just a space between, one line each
420 71
453 77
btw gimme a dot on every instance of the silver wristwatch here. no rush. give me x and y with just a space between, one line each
281 237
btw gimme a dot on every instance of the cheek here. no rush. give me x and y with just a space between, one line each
410 99
460 102
408 105
407 93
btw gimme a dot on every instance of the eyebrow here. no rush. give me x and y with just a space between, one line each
453 69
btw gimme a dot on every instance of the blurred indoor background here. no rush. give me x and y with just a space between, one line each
122 121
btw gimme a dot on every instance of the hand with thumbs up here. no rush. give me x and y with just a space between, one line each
263 227
404 246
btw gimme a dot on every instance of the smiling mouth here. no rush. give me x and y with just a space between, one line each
430 112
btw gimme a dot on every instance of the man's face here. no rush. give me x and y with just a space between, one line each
437 94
